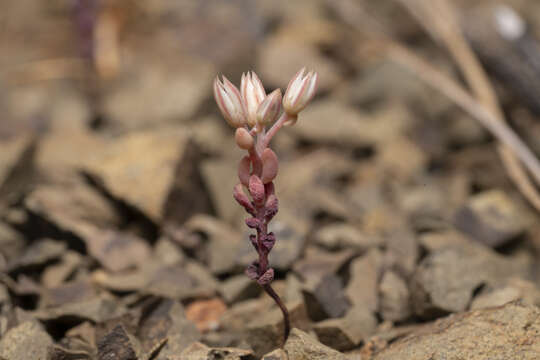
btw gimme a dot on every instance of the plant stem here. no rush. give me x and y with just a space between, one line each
279 302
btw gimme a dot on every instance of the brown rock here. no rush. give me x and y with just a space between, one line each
345 236
265 330
362 289
116 345
13 152
394 297
11 242
278 354
347 332
205 313
301 346
492 218
515 289
507 332
141 169
25 341
238 288
38 254
56 274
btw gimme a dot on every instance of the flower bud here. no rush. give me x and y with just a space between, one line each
300 91
252 271
242 199
269 109
270 165
267 277
256 189
229 101
244 168
243 139
253 94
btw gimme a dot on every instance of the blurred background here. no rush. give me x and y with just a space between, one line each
116 170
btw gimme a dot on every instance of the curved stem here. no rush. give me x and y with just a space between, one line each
274 129
279 302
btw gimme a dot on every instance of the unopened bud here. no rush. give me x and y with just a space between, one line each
242 199
243 139
271 206
252 271
253 223
244 168
270 165
229 101
269 241
253 94
256 189
300 91
269 109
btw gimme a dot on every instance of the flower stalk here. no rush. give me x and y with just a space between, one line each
250 111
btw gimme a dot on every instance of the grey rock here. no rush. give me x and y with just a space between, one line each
25 341
317 263
345 236
347 332
395 304
301 346
514 289
362 289
507 332
446 279
223 242
326 298
116 345
492 218
402 250
238 288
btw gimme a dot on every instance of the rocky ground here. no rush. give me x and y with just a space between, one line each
400 234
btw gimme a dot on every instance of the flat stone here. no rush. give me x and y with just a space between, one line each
265 331
13 152
38 254
402 250
223 242
97 309
326 298
507 332
492 218
25 341
68 202
238 288
117 251
166 320
67 292
301 346
128 168
446 279
362 289
345 236
347 332
401 159
318 263
395 304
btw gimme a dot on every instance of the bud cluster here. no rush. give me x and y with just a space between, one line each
250 110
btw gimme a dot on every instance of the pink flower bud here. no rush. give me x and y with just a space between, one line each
256 189
242 199
252 271
299 92
253 222
271 206
253 94
269 109
244 167
268 241
229 101
270 165
243 139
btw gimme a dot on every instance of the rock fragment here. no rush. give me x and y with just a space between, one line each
362 289
492 218
25 341
116 345
301 346
395 304
326 298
